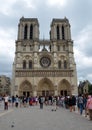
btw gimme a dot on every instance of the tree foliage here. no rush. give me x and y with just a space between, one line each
90 88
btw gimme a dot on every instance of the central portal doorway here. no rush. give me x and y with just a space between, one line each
27 94
45 87
63 92
45 93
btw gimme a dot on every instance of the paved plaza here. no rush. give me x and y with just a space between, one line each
33 118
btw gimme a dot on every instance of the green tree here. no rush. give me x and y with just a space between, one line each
90 88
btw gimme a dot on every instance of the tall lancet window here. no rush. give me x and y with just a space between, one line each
24 64
59 64
25 31
63 33
58 35
65 64
31 31
30 64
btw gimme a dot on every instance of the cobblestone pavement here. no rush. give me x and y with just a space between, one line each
33 118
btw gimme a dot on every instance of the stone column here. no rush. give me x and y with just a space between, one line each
54 47
66 32
69 32
35 53
22 32
56 93
36 48
36 31
34 93
54 31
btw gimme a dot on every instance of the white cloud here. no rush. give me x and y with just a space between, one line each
83 46
5 6
82 51
57 3
84 38
82 60
7 49
8 7
7 43
31 3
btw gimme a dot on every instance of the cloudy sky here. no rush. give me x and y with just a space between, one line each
79 13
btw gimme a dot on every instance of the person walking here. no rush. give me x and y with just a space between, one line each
85 96
41 101
70 103
54 104
6 99
80 103
89 106
16 101
73 102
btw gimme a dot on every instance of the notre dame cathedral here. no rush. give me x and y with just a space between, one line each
44 67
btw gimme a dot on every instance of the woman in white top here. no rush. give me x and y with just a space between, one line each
6 98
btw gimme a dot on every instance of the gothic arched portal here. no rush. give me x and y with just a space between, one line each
45 87
25 89
64 88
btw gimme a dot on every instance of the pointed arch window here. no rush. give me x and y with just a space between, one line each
58 35
59 64
63 33
24 64
30 64
25 31
65 64
31 31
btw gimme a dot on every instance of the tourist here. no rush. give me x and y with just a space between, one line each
6 98
54 104
73 102
16 101
80 103
70 103
85 103
41 101
89 106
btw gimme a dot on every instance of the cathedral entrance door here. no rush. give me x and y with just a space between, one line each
27 94
63 92
25 89
64 88
45 88
45 93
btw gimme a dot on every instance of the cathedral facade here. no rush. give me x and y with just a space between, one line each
44 67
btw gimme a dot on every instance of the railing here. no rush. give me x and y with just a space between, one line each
44 73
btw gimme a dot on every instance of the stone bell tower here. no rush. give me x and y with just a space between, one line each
28 29
62 47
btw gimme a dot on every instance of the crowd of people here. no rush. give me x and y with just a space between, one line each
80 102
